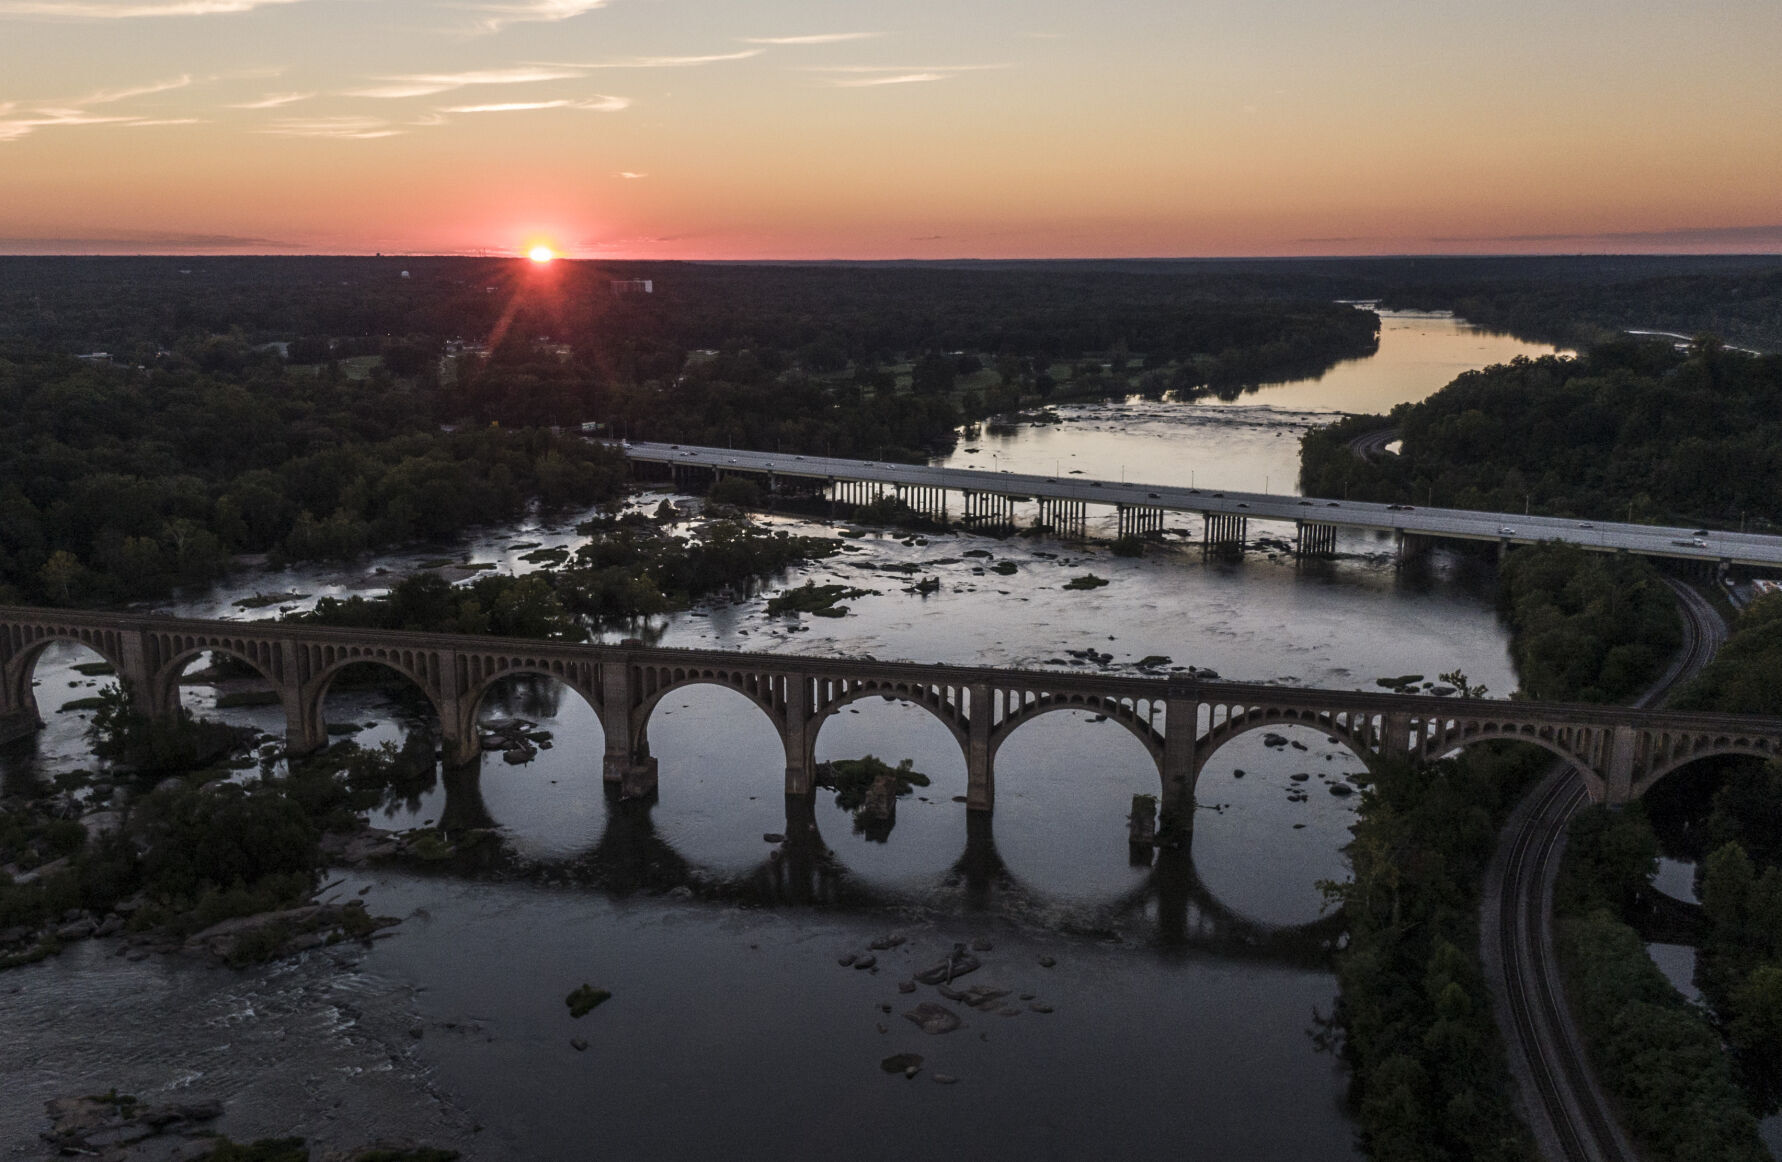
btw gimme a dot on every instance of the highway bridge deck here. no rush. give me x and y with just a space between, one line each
1709 546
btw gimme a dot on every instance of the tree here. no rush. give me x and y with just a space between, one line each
933 374
63 575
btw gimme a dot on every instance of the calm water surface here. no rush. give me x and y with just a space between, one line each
1185 991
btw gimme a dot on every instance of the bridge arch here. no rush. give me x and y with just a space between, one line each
531 668
315 696
1341 727
1491 732
930 698
1112 708
680 677
164 684
17 672
1705 747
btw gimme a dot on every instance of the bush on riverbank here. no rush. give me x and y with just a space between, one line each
1429 1078
1628 430
1653 1051
149 747
1742 677
1586 627
192 852
1741 963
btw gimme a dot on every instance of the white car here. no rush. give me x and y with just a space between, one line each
1506 531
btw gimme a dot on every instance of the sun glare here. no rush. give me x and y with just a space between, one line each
541 254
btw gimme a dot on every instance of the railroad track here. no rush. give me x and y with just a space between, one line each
1571 1118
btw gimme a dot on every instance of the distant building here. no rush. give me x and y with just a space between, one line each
634 286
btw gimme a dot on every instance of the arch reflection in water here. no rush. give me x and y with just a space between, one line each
721 775
929 823
1065 785
60 674
372 705
1264 840
553 803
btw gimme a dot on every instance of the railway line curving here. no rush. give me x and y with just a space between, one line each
1563 1103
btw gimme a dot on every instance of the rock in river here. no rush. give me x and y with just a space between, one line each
933 1018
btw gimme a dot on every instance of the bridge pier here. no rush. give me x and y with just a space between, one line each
980 777
1180 765
1315 539
1139 520
1411 546
464 807
799 734
1618 777
924 501
1223 533
1067 518
989 510
18 723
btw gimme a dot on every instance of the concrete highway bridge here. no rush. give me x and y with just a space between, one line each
1181 722
988 498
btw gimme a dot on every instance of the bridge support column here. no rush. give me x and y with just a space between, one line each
1397 743
1067 518
980 779
1411 546
133 672
796 733
627 760
18 722
1181 728
1618 766
1223 533
1139 520
464 807
461 741
1315 540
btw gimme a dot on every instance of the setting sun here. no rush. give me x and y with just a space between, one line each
541 254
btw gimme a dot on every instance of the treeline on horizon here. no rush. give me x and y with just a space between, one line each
270 406
1630 430
1575 300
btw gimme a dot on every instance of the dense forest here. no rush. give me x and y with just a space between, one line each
1629 430
159 416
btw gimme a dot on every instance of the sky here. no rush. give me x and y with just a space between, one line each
811 129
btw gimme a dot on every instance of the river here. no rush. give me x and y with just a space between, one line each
1183 996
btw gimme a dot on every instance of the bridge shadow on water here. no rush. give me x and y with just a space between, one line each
1172 908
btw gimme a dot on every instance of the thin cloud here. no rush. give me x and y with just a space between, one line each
12 128
85 10
1703 235
600 104
347 128
430 84
108 96
817 38
901 68
157 238
534 12
274 101
660 62
893 79
632 177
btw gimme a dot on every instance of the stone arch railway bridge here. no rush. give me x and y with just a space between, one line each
1181 722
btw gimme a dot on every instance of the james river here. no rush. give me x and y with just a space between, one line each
1184 997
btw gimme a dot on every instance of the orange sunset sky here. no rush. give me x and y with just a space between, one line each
927 129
